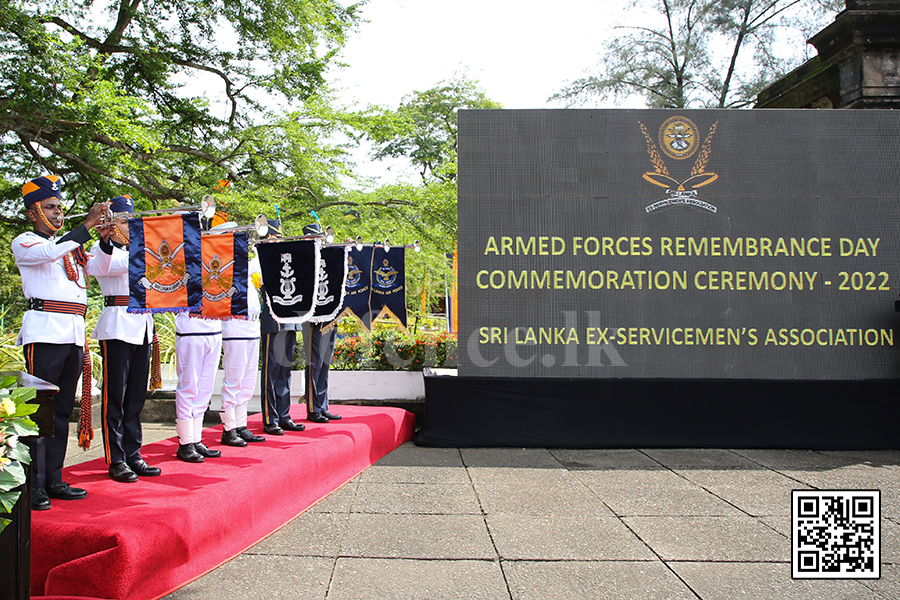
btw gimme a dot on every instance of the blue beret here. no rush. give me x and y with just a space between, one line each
46 186
274 227
121 204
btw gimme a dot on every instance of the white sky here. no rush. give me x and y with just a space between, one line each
519 52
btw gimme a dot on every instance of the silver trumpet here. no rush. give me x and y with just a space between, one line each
260 227
118 221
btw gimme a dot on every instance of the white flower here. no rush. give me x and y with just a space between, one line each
7 407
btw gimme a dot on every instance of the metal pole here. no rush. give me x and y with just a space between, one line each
307 348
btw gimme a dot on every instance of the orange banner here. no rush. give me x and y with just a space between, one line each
224 276
164 272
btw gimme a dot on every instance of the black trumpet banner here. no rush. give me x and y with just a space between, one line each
330 290
389 284
290 273
358 286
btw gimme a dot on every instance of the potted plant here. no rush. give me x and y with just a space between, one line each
15 514
14 424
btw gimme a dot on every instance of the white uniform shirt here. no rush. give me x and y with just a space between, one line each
115 322
40 262
241 328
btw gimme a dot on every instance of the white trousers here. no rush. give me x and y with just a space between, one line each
240 362
197 359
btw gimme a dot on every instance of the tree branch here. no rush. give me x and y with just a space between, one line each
115 48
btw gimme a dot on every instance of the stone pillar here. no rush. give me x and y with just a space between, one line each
864 44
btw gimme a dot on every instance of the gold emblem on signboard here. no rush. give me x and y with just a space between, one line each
678 137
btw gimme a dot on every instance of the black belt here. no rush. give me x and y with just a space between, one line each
115 300
57 306
197 333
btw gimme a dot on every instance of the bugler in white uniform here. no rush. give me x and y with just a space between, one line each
54 280
125 344
198 345
240 360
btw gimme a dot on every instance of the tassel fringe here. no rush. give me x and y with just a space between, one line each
85 423
155 364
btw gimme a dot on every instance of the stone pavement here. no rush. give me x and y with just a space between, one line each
522 524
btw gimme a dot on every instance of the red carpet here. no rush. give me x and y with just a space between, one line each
143 540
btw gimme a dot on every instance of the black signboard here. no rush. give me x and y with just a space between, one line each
745 244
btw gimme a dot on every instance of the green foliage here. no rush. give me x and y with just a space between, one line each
165 331
391 350
105 93
300 170
11 357
14 423
424 130
701 53
424 127
404 213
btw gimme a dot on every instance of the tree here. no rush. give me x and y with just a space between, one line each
404 213
423 129
100 92
701 53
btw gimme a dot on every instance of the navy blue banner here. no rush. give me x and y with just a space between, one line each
389 284
358 286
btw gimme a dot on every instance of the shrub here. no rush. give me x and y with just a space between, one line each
390 350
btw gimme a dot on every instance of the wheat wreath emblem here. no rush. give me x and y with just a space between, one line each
678 138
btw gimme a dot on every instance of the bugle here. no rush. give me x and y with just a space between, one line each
206 208
386 244
260 226
118 221
328 236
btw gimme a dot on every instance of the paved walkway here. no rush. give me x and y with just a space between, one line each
528 524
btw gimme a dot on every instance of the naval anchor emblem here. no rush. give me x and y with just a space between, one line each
679 139
288 283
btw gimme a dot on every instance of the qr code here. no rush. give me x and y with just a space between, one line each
835 534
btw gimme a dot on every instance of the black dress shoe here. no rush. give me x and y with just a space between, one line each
316 418
39 499
330 416
231 438
201 448
63 491
142 469
289 425
249 436
273 430
188 453
122 473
